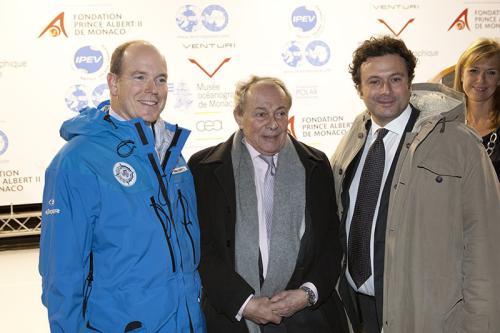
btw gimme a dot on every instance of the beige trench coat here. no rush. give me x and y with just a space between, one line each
442 250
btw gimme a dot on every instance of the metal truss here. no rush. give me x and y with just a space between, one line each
20 224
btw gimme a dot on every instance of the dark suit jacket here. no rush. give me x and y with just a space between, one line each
224 290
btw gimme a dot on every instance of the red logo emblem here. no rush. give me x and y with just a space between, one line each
400 31
291 126
461 21
193 61
55 27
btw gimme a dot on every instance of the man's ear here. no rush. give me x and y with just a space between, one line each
358 89
113 84
239 118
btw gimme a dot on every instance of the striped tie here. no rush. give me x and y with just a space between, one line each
268 193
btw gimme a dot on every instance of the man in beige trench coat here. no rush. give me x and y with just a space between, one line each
419 205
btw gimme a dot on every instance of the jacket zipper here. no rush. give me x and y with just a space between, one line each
87 289
172 258
186 222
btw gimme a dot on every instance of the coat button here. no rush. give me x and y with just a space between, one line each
361 135
408 145
228 243
439 179
340 171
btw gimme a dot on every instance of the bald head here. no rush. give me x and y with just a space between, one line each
118 54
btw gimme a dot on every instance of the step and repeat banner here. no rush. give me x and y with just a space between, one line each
55 55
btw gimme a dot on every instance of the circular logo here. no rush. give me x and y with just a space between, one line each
124 174
4 143
187 18
306 20
77 98
461 25
100 94
214 18
317 53
292 54
90 60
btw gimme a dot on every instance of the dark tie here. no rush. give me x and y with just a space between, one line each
268 193
362 219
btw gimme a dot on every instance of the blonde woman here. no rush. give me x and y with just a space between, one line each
477 75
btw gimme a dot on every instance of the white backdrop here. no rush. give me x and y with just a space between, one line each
55 54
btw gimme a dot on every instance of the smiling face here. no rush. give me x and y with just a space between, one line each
481 79
264 118
384 87
140 90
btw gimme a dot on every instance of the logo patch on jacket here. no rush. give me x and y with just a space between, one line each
180 169
124 174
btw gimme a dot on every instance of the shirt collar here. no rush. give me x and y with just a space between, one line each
115 115
254 153
396 125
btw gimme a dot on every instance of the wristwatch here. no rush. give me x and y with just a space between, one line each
311 297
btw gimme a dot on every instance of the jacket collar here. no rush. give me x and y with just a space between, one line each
219 153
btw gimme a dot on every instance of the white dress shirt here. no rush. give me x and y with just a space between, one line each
396 129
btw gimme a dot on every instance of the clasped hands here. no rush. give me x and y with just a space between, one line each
263 310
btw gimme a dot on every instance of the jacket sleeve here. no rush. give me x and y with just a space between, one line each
481 234
69 210
325 267
225 289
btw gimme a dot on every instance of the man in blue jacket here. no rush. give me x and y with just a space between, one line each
120 248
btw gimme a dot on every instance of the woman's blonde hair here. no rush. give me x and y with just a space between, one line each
482 48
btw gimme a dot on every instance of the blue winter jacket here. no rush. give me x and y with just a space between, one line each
120 242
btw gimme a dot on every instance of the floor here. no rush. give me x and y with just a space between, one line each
21 310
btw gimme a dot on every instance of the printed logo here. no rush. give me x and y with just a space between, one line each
55 27
179 170
209 45
52 202
400 31
124 174
306 92
193 61
317 53
209 125
182 93
100 94
461 22
4 143
214 18
306 20
54 211
90 61
187 18
291 126
77 98
396 6
292 54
